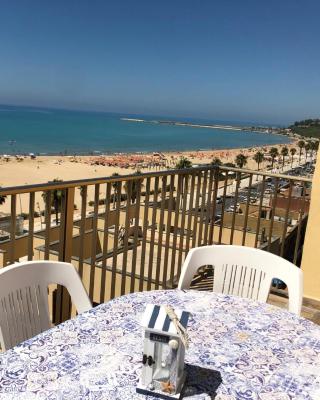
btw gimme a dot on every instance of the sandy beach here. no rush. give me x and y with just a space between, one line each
26 171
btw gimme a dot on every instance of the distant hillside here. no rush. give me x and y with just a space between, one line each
307 127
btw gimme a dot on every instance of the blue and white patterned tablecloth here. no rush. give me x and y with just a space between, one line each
261 352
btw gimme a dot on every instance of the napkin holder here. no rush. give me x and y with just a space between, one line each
164 343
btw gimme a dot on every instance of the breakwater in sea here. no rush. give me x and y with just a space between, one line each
263 129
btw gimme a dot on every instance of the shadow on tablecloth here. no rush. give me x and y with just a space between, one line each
201 383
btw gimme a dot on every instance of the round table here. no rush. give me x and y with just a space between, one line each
254 351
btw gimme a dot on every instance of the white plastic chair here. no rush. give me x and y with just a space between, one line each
245 272
24 308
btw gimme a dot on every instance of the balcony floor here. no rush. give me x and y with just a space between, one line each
310 310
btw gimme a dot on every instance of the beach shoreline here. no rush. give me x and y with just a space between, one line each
97 153
15 170
20 171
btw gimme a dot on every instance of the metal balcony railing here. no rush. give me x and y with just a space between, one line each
132 233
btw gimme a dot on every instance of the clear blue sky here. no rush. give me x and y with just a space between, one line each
233 59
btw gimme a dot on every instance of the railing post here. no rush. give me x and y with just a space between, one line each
13 229
63 301
68 224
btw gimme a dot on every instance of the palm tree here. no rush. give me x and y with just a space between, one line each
307 147
258 158
2 198
134 187
216 162
56 198
301 145
183 163
284 153
81 189
273 152
230 165
114 186
314 144
241 160
292 152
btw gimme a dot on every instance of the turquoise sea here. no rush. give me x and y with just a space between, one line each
50 131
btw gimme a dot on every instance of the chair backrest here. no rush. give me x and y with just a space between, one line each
24 298
245 272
